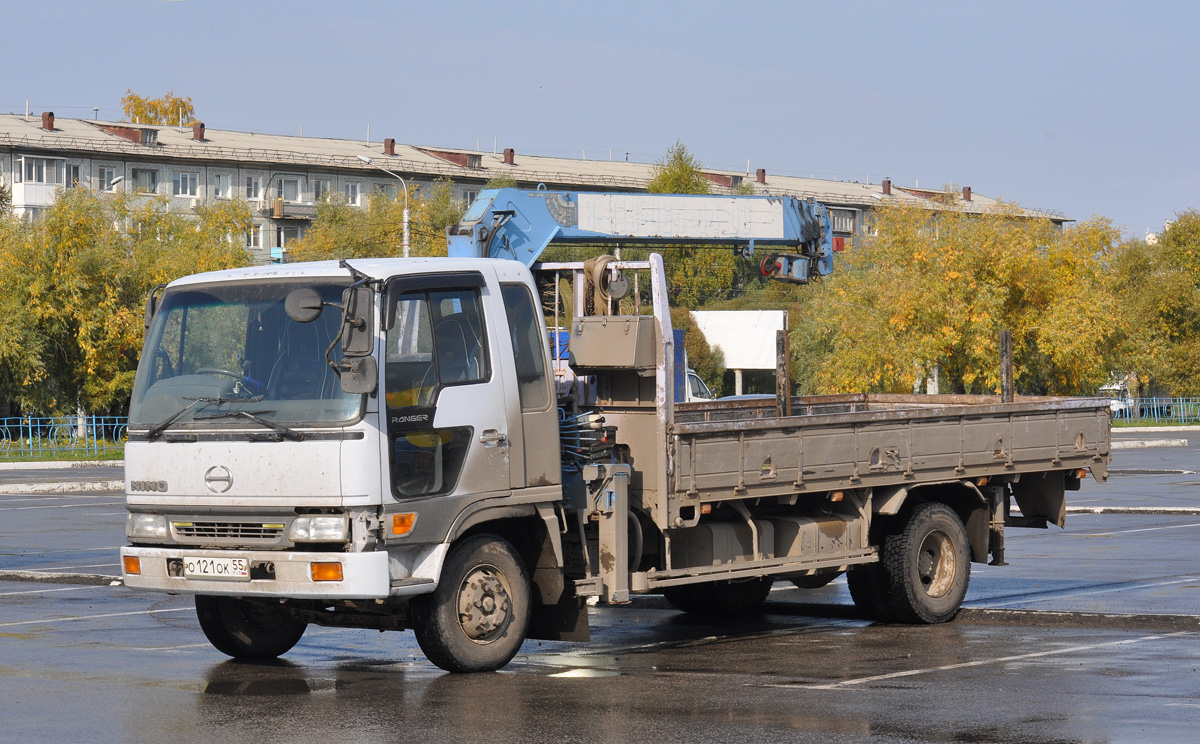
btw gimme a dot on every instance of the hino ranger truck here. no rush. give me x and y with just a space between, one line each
471 447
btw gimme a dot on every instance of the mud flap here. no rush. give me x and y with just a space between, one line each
566 620
1041 498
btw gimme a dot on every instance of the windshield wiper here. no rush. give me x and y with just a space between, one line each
280 429
160 427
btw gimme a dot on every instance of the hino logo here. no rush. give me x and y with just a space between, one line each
218 479
148 485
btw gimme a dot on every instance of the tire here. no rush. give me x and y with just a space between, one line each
720 598
868 586
927 565
246 629
815 581
477 618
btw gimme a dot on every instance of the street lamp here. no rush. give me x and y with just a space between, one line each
114 182
406 241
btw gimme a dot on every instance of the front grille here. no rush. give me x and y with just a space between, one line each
228 530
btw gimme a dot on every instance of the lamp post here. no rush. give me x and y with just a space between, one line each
114 182
406 241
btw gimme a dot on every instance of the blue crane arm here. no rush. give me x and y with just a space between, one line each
518 224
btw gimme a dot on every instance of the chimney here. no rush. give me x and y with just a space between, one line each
887 187
966 193
761 176
198 131
389 146
48 121
509 155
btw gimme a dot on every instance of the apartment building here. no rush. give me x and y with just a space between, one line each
283 176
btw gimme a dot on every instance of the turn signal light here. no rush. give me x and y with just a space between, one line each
133 565
1081 474
402 524
326 571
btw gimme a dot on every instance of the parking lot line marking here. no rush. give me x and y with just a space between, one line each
47 591
73 568
59 506
980 662
1067 593
1139 529
94 617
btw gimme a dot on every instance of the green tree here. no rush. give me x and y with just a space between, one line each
342 231
709 362
502 181
1159 290
76 282
678 172
168 109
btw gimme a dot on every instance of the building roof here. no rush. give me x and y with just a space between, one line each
276 151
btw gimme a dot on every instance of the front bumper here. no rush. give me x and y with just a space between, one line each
364 575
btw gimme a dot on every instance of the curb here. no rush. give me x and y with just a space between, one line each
1185 510
62 487
46 577
1147 443
61 464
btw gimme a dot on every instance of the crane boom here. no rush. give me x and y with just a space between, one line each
519 224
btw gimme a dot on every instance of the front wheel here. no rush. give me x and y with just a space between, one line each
476 619
927 566
247 629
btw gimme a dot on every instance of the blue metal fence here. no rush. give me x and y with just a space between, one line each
1157 410
26 437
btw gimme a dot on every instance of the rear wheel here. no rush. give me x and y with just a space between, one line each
927 566
738 597
247 629
868 588
476 619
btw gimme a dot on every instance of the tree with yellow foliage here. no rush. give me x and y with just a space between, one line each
76 282
169 109
929 292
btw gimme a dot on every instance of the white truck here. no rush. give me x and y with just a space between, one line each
389 444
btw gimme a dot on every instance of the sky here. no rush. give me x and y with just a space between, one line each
1087 108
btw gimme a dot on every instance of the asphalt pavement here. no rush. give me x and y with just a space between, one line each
1089 635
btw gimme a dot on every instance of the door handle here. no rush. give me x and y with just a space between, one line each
492 438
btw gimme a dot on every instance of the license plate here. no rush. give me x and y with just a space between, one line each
233 569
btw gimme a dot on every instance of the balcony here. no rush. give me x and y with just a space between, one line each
278 209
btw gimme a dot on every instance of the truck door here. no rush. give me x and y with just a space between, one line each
538 425
447 425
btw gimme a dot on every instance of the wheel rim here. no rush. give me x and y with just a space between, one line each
937 564
484 605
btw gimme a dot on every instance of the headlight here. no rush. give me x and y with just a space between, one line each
320 528
146 527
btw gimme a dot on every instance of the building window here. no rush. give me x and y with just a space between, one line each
72 176
253 187
469 195
285 236
254 236
104 178
386 189
320 187
288 189
184 184
843 220
145 181
351 192
50 171
221 186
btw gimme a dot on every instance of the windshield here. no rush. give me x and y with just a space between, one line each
233 346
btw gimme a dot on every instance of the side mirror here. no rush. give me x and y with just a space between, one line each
358 335
359 375
303 305
152 307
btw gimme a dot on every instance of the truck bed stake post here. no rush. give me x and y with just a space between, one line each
1006 367
614 535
